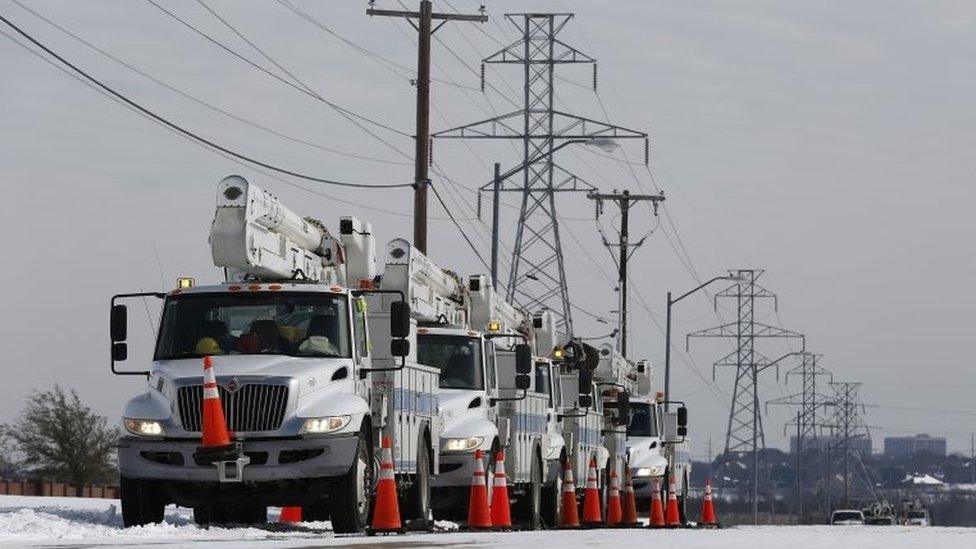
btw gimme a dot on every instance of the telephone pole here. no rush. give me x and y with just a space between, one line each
425 17
625 249
745 432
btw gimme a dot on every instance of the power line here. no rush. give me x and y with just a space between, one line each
188 133
201 102
346 113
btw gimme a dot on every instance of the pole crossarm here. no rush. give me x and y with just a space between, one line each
435 16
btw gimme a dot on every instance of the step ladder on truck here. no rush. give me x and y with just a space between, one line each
311 375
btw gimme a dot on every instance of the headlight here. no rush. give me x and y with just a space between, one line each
462 444
655 471
144 427
324 425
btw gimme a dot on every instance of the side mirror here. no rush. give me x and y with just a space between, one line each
585 382
585 401
623 406
523 359
682 416
523 381
399 320
120 351
119 323
400 347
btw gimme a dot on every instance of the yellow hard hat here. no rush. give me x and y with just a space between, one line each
208 346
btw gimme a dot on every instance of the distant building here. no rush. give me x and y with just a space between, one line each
860 444
911 446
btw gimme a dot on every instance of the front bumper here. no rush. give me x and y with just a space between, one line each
279 459
456 470
644 486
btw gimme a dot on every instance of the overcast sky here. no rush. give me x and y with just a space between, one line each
829 143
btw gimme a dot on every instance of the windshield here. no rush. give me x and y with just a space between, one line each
847 515
916 514
642 422
457 357
293 324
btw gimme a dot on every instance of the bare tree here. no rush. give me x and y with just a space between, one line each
59 438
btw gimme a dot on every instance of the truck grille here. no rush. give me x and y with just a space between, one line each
252 407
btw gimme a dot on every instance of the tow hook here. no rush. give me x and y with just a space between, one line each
229 461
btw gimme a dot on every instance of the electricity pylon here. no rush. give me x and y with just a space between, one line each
538 275
745 431
808 403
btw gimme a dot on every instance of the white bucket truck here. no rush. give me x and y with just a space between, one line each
311 378
487 397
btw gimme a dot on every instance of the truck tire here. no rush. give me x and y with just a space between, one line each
552 498
141 502
417 502
349 504
530 508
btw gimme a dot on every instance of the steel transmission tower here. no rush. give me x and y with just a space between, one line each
807 402
847 426
745 430
538 275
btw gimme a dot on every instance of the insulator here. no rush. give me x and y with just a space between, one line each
482 76
594 76
479 205
430 151
647 151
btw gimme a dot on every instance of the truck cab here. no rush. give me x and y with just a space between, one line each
645 447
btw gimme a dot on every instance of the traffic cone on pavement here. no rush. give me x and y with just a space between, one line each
386 508
569 515
657 509
614 511
629 515
214 437
479 516
501 514
672 517
592 514
290 515
708 508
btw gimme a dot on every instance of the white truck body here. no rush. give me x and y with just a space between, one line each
296 354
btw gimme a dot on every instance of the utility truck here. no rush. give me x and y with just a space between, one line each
487 398
314 366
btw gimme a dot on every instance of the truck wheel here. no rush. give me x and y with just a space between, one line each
552 498
531 508
350 493
141 502
418 497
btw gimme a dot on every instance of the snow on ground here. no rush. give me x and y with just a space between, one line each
82 523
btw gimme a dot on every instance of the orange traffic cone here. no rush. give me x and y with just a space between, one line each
386 508
501 514
657 509
569 515
614 512
672 517
708 508
290 515
629 516
479 516
215 436
592 514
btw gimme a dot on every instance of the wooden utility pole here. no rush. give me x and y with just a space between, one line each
624 200
424 25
